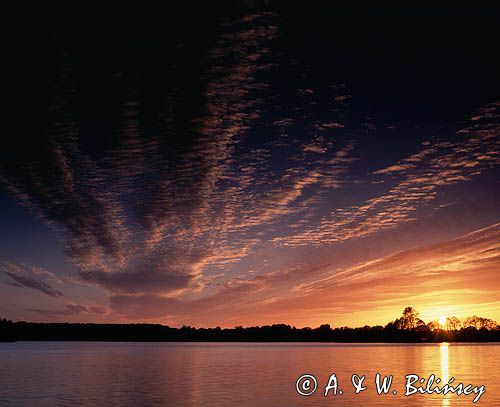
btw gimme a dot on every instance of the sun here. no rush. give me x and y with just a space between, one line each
442 320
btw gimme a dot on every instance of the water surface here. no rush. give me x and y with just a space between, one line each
233 374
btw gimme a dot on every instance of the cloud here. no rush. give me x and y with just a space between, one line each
172 197
418 179
140 281
395 168
70 309
472 253
174 192
432 277
145 306
30 277
137 216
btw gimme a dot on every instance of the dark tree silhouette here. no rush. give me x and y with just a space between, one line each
410 319
434 325
479 323
453 323
408 328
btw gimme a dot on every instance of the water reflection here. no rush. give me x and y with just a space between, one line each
445 371
229 374
444 353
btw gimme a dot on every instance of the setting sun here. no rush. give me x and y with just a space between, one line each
442 320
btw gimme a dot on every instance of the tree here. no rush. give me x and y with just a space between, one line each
433 325
410 319
479 323
453 324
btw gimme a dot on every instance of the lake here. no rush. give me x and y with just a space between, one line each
235 374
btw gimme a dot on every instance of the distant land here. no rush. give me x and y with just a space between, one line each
408 328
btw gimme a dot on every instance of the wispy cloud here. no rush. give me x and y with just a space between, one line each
179 199
162 203
31 277
458 271
70 309
416 182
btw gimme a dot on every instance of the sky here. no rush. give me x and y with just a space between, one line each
255 163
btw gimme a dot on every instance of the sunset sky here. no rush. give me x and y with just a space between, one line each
253 165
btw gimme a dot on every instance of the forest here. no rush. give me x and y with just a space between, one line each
408 328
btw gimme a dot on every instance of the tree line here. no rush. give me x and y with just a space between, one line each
408 328
410 320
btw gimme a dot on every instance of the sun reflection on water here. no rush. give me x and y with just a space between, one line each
445 373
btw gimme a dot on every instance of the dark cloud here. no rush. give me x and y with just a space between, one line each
83 309
177 183
30 277
237 291
141 281
70 310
